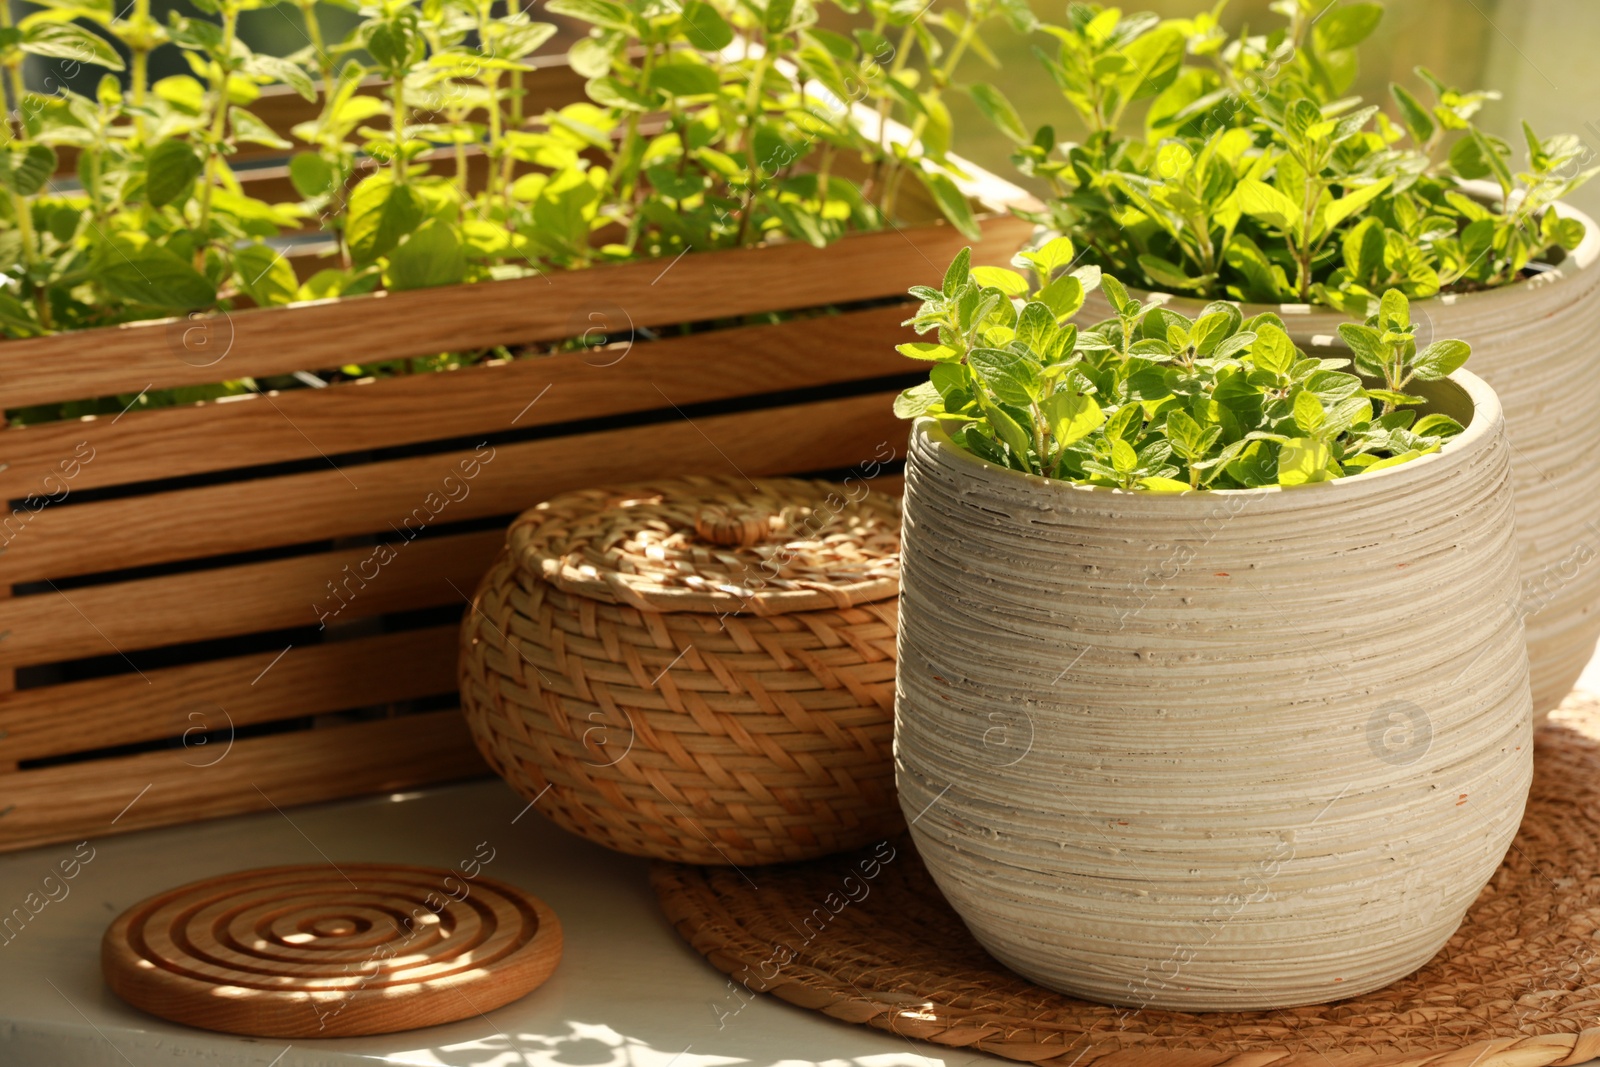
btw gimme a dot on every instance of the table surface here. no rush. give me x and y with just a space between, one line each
628 993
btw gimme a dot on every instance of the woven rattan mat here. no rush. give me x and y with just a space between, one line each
871 941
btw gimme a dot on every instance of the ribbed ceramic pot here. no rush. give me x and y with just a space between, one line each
1227 750
1537 343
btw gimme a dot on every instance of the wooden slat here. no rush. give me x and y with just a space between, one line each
304 423
239 691
174 609
78 801
8 682
373 498
312 336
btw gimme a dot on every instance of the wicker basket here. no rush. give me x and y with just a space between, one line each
698 670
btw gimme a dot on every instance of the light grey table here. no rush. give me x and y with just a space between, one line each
628 992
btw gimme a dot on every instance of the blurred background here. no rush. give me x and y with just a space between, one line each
1542 55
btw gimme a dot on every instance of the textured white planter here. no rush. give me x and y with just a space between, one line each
1537 343
1227 750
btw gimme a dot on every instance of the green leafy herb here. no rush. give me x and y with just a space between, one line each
1152 400
424 164
1258 178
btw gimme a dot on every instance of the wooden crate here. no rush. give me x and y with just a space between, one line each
161 607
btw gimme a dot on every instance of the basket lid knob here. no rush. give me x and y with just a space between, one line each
735 527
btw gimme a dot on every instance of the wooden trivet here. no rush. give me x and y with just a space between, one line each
317 951
868 939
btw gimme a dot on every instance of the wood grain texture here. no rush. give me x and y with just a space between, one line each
318 335
196 606
210 699
161 788
72 537
407 495
331 950
306 423
8 682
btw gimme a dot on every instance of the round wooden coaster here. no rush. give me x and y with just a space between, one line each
867 938
316 951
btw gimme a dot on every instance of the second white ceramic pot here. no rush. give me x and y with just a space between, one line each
1537 344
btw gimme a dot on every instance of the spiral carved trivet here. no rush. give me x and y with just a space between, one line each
316 951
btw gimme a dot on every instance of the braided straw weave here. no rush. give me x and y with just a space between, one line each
868 940
699 670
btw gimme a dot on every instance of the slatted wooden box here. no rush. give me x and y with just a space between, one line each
162 588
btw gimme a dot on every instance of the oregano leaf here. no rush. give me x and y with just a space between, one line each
171 166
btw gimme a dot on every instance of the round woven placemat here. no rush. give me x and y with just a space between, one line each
866 938
322 951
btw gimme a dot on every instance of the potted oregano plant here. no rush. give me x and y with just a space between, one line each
1212 690
689 225
1258 179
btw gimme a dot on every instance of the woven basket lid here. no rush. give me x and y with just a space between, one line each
722 545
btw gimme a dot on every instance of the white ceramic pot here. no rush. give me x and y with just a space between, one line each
1537 343
1224 750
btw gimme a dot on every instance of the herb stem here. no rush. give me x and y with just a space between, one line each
397 130
92 162
623 179
901 55
139 72
460 151
139 76
21 207
823 168
516 124
1303 252
219 128
753 110
23 210
308 12
329 74
1208 253
891 183
14 75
